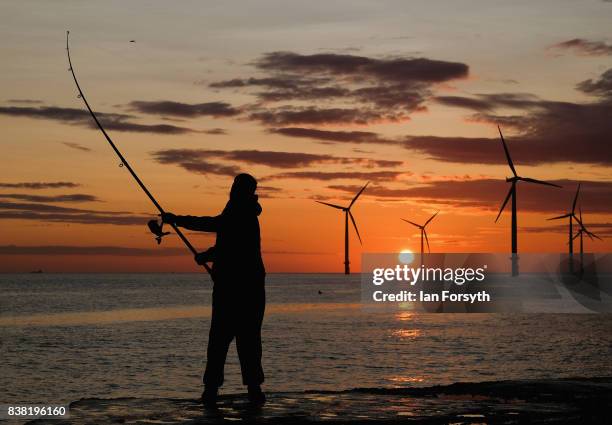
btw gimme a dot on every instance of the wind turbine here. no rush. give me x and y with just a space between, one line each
571 215
423 232
512 194
347 214
582 229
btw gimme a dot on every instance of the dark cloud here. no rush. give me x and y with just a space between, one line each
270 158
390 97
321 116
77 146
539 131
600 229
8 205
329 136
465 102
559 228
178 109
216 131
199 160
356 89
490 151
110 121
76 218
379 176
398 70
305 92
270 192
89 250
288 87
561 132
46 213
490 102
76 197
488 194
195 161
39 185
599 87
279 82
524 150
70 115
25 101
544 131
465 150
583 47
204 167
131 127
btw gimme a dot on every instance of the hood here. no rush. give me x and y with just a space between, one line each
243 206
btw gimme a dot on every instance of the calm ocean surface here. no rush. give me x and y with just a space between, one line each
68 336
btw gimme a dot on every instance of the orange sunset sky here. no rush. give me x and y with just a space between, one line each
314 99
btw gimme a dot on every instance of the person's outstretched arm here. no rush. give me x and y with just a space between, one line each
199 224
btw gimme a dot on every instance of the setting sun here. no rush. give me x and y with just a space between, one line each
406 256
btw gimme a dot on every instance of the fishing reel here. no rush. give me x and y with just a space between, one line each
157 229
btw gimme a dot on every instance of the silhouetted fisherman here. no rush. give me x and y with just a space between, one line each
238 274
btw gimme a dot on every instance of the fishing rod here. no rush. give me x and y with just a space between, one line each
155 228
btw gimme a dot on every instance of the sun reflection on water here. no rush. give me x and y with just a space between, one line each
406 379
404 316
407 333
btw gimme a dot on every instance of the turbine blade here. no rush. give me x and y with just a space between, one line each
528 180
583 228
358 193
592 235
579 220
507 152
586 231
426 240
330 205
355 226
430 218
576 235
504 204
575 199
559 217
414 224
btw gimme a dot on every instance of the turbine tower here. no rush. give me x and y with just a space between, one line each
423 232
571 215
347 214
582 230
512 194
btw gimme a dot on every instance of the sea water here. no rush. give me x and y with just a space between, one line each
65 337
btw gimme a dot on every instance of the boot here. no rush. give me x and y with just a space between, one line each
256 395
209 396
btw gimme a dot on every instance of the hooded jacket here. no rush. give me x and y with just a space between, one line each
237 251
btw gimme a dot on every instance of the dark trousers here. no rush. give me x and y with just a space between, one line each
235 314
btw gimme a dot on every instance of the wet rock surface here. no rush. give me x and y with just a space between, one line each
577 400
